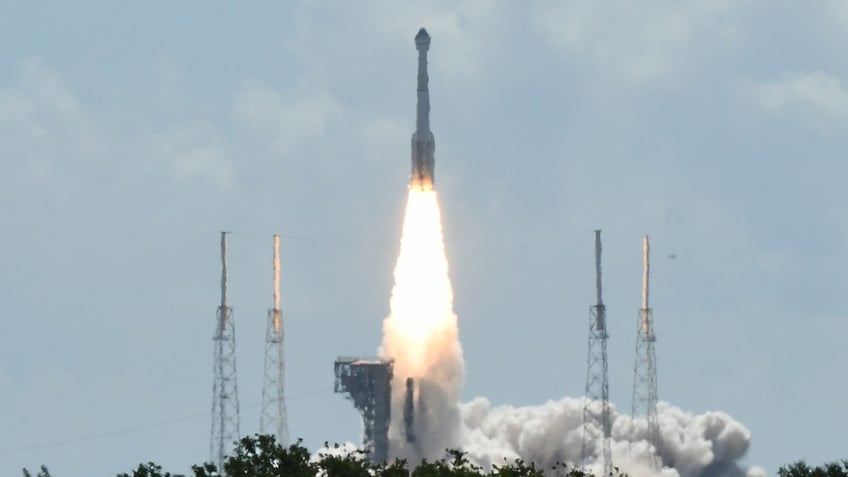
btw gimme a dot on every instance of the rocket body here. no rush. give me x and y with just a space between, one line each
423 162
423 143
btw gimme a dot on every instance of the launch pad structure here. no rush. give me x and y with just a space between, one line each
274 419
225 404
368 383
597 380
645 366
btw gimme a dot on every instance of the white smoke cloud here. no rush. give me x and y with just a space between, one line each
702 445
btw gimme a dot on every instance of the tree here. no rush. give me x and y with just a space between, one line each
455 464
41 473
148 470
350 465
801 469
263 456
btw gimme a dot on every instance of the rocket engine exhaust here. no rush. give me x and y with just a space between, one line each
421 335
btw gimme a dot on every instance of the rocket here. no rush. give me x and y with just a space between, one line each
423 143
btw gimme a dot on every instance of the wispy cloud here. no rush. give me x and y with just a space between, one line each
285 121
40 116
817 91
193 151
641 42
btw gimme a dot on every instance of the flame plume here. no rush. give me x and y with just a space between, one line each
421 334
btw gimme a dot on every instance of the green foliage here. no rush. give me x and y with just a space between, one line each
262 456
564 470
398 468
352 465
518 469
147 470
41 473
801 469
455 464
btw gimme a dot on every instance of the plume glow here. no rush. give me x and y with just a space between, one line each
420 333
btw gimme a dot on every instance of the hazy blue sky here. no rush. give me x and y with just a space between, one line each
131 134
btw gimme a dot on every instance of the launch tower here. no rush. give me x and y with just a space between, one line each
273 420
368 383
225 404
597 383
645 368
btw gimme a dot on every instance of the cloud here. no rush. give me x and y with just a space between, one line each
286 121
817 91
639 42
837 9
192 150
20 125
463 33
382 138
41 117
48 135
468 38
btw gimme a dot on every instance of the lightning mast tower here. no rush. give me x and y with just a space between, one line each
597 383
273 420
645 368
225 405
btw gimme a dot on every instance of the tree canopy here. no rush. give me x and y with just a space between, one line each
263 456
801 469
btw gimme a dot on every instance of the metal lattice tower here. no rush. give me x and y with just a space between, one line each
645 368
225 404
597 382
273 420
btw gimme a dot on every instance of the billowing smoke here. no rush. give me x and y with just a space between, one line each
421 335
703 445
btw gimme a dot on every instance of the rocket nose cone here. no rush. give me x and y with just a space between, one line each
422 39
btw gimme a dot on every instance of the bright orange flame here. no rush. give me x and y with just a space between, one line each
422 320
420 334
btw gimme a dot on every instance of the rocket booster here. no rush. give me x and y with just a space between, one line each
423 143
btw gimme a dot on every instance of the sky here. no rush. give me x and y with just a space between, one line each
132 134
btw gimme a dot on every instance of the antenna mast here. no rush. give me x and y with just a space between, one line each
645 368
597 383
225 405
274 420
